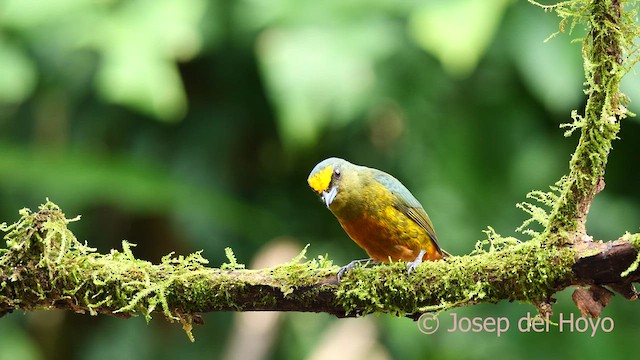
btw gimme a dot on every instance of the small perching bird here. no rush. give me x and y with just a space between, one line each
377 212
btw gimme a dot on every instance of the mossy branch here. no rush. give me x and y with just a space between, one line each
44 266
609 52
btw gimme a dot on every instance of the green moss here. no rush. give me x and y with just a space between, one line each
295 273
227 289
233 262
513 271
55 267
118 283
612 30
538 214
634 239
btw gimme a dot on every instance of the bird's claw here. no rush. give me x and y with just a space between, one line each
412 265
350 266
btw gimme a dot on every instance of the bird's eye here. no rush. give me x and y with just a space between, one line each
336 173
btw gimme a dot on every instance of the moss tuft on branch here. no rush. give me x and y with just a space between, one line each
45 266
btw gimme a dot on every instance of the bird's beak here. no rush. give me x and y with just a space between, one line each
328 196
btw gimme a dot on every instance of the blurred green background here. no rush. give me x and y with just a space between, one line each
183 125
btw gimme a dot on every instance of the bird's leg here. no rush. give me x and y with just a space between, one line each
411 265
353 264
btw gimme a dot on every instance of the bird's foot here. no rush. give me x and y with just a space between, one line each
351 265
411 265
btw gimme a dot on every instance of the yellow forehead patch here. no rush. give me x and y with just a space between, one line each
320 181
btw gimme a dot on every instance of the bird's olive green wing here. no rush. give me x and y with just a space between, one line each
408 204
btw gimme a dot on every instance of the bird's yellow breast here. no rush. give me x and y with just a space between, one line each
374 222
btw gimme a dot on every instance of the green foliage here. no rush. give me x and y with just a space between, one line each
138 54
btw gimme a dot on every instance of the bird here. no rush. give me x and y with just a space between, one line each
377 212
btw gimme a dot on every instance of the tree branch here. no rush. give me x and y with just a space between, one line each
603 65
46 267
